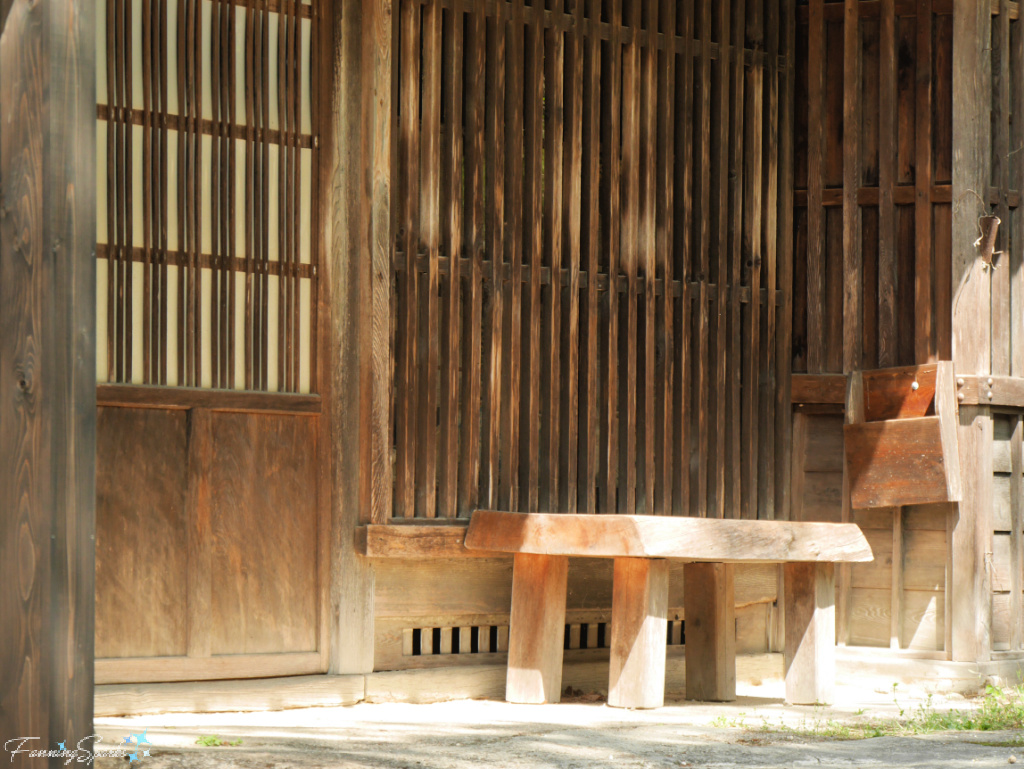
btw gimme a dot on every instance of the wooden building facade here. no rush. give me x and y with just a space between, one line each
363 268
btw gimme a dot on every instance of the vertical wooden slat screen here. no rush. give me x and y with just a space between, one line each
207 250
590 256
873 190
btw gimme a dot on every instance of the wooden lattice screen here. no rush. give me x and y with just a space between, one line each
592 244
206 155
874 176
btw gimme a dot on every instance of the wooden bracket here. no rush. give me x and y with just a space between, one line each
901 440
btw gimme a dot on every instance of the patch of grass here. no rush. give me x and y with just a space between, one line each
997 709
213 741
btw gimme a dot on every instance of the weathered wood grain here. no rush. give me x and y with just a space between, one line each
810 633
900 462
818 388
815 174
247 526
535 643
636 677
660 537
853 254
356 428
141 532
710 632
47 370
900 393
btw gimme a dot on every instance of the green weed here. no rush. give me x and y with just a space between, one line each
997 709
213 741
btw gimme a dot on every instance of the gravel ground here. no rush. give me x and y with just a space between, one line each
580 733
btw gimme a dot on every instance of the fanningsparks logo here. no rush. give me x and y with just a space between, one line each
134 748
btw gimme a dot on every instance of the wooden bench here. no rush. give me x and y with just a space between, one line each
640 545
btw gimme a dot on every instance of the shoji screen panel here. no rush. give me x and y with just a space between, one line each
206 259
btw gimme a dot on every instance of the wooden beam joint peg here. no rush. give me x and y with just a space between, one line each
537 627
710 613
636 677
810 658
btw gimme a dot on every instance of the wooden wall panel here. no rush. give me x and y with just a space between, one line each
263 534
899 599
1007 533
212 519
425 594
141 533
923 620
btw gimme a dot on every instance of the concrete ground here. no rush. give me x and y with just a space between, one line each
756 731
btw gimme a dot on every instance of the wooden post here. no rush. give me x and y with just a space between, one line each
357 342
810 657
537 624
47 374
636 677
710 614
972 326
971 540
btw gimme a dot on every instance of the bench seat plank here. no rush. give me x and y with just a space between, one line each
643 536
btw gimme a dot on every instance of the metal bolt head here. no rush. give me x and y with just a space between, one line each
914 385
989 395
960 381
989 381
959 396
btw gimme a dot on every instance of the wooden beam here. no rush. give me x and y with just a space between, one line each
816 142
184 398
972 140
853 257
819 388
924 309
537 618
784 343
47 371
642 536
639 631
810 656
972 539
229 696
990 391
126 670
710 632
972 327
360 160
411 541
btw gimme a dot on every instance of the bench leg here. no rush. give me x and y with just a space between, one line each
639 627
810 595
536 628
710 613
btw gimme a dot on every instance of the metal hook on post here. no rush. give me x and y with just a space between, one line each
986 242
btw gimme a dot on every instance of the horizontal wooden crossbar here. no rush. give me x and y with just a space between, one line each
182 398
415 541
990 391
687 538
819 388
